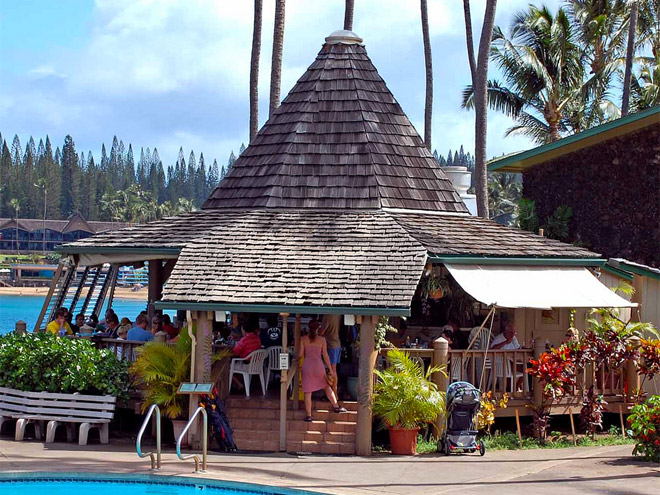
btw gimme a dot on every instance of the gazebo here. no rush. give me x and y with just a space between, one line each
335 207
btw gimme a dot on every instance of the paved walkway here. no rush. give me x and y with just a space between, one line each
606 470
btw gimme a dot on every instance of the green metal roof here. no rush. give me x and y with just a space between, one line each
516 260
520 161
631 267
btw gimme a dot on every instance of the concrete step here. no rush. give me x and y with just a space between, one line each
315 447
241 402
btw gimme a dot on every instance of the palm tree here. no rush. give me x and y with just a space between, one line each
184 206
645 87
541 63
254 69
276 64
479 73
348 15
14 203
504 194
428 106
630 53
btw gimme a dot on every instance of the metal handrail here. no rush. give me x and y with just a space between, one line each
155 462
204 442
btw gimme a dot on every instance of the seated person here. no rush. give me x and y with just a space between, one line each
249 343
160 335
139 332
170 329
507 339
80 321
112 327
448 335
59 325
272 336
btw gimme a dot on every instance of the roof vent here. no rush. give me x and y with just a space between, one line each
344 37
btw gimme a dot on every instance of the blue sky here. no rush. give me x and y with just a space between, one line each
171 73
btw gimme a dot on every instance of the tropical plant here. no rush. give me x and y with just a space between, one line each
541 64
160 368
645 85
44 363
557 225
504 195
434 286
383 327
555 371
527 219
591 413
630 54
649 354
487 409
404 395
644 421
479 80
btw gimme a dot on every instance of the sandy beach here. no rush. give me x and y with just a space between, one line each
120 292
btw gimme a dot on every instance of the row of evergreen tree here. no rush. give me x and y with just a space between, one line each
71 182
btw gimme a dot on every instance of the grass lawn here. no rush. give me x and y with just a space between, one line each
556 440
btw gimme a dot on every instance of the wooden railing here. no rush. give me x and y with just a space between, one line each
124 349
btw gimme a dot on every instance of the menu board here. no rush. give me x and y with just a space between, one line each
195 388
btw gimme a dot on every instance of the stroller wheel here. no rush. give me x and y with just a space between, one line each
482 447
441 445
446 447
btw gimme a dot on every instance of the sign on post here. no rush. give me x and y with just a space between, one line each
284 361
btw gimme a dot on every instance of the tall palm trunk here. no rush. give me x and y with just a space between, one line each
479 70
348 15
254 69
630 53
276 65
428 106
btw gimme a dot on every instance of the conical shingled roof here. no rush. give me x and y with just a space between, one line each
339 140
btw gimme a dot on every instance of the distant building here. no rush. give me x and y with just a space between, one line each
31 232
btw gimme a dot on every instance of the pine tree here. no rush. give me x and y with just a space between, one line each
461 157
91 188
213 178
52 174
142 169
231 161
223 173
191 193
241 149
121 165
201 182
114 174
129 167
456 160
450 159
5 173
70 195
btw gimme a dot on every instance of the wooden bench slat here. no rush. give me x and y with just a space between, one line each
70 404
52 411
78 397
42 417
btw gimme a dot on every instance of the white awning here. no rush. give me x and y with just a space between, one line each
541 287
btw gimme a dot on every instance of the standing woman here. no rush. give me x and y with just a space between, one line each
314 349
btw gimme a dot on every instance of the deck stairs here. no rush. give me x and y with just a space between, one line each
256 426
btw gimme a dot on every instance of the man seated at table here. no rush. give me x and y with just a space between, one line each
507 340
112 322
139 332
59 325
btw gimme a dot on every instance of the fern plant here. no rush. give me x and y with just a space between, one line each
404 395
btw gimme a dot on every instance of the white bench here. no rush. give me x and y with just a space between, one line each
91 411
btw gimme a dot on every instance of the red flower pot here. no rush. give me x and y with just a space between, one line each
403 442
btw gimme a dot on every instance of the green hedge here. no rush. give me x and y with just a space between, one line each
45 363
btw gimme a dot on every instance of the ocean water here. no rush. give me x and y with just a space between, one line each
27 308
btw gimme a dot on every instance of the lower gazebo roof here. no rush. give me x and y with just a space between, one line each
272 259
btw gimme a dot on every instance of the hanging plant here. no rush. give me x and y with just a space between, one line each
434 287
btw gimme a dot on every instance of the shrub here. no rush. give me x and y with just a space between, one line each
487 408
644 423
45 363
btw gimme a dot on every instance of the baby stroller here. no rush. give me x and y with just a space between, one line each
217 417
460 434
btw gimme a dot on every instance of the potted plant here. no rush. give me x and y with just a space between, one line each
405 398
159 369
435 287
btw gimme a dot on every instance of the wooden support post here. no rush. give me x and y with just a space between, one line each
518 430
296 378
365 384
632 377
155 286
623 423
570 415
283 384
49 296
202 370
440 358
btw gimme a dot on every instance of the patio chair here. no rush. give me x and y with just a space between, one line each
418 360
251 365
273 363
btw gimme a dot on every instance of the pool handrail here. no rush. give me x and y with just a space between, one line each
155 462
204 441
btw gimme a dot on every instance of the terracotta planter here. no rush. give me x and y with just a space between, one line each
436 294
178 425
403 442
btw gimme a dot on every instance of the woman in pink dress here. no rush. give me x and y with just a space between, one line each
314 349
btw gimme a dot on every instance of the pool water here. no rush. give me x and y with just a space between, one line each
79 484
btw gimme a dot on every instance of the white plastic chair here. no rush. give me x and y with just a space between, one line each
273 363
418 360
255 366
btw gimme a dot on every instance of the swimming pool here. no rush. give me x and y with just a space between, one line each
110 484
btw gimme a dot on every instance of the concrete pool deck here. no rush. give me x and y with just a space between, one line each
572 471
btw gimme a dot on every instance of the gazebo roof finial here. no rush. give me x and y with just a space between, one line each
343 36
